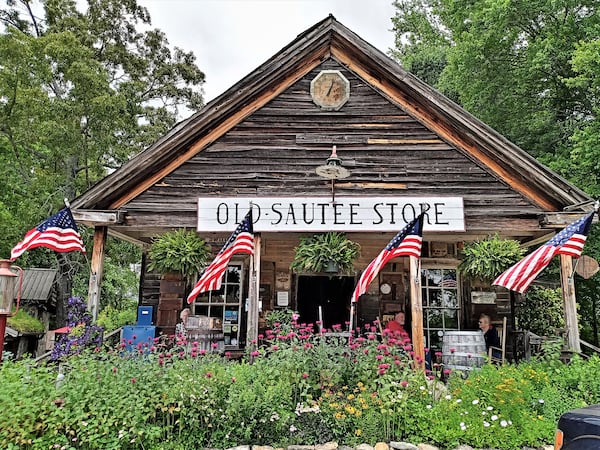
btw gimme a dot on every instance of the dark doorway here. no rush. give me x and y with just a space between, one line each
331 293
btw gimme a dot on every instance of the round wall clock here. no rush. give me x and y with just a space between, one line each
330 89
385 288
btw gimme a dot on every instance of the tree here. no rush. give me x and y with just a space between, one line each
80 93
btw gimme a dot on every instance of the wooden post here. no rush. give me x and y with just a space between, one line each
417 312
253 293
569 302
97 267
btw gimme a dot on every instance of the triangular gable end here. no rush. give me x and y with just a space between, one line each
330 39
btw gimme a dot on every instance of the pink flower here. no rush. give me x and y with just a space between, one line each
253 341
114 369
305 375
214 345
404 383
379 357
254 353
397 362
233 379
208 375
261 336
227 354
381 371
446 371
452 350
275 348
133 380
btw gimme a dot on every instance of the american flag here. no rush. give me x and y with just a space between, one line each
406 243
58 232
569 241
241 241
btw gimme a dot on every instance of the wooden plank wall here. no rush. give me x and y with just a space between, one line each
275 152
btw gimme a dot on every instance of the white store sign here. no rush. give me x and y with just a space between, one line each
320 214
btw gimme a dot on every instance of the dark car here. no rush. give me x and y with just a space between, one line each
579 429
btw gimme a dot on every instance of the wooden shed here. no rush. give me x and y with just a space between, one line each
406 147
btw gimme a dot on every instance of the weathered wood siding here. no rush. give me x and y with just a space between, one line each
275 152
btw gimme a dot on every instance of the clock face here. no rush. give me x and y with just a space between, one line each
385 288
330 89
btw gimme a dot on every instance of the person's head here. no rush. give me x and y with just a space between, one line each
183 315
484 322
400 317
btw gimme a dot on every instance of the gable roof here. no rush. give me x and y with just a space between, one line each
329 38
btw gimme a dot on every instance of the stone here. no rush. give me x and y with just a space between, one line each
345 447
262 447
327 446
403 446
427 447
382 446
464 447
364 447
239 447
301 447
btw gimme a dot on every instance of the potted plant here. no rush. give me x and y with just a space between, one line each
483 260
180 252
327 252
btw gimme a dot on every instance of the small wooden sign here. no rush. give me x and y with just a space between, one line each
483 298
587 266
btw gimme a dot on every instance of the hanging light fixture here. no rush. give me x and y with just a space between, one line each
333 170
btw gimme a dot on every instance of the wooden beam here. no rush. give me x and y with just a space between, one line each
377 141
92 218
562 219
416 308
253 293
569 302
371 185
96 271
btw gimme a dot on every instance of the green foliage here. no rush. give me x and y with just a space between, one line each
540 311
302 388
314 253
111 318
25 323
180 251
488 258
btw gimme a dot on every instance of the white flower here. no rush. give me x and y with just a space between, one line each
541 401
428 407
463 427
489 408
494 417
458 400
462 424
486 424
475 401
448 397
503 423
84 423
293 428
422 388
510 422
483 413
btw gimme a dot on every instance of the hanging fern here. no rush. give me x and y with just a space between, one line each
179 251
484 260
315 253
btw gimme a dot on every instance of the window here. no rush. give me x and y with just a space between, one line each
441 304
225 304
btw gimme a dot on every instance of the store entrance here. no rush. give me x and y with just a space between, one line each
330 294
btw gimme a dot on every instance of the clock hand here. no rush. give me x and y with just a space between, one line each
330 88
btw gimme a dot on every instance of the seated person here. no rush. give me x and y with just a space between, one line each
490 334
181 327
396 327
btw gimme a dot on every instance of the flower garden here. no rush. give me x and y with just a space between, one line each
296 387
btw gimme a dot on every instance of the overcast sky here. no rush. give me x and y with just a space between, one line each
231 38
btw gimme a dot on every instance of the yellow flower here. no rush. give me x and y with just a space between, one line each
351 397
357 432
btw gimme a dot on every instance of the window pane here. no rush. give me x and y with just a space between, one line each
450 299
451 318
233 293
449 279
233 274
434 317
435 298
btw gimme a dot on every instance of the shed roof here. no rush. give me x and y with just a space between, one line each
37 284
330 39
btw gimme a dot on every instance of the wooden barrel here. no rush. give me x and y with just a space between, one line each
463 350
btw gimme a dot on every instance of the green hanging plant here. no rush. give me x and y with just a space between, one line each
319 252
180 251
484 260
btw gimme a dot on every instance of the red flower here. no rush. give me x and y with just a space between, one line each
208 375
133 380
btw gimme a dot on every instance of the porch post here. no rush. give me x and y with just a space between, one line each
569 302
253 293
96 270
416 308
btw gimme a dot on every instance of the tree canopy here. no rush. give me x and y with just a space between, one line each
83 88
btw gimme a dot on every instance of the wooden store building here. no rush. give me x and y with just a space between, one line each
402 147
